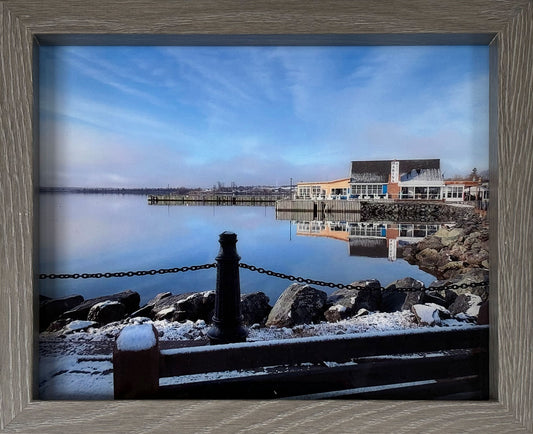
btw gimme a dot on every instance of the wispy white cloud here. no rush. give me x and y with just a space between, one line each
199 114
111 75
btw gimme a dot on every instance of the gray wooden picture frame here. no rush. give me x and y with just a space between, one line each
507 24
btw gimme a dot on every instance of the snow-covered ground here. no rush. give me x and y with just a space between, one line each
78 365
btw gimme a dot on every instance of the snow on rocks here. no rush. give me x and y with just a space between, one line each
430 313
336 313
78 325
106 312
130 300
426 315
353 300
78 365
468 304
167 313
137 337
51 309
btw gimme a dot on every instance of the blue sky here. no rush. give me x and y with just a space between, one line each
195 116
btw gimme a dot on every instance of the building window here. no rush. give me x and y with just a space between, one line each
362 190
434 192
308 192
339 191
304 192
407 193
368 230
453 192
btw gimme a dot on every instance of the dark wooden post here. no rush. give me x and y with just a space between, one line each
227 320
136 362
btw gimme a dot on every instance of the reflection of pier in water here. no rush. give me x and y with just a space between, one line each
369 239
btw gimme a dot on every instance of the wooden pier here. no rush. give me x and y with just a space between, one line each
214 199
309 210
324 206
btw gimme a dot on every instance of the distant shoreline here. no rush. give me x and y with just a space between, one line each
111 190
157 190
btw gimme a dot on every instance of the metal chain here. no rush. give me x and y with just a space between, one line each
251 268
357 287
127 273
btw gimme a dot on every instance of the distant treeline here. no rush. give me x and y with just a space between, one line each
106 190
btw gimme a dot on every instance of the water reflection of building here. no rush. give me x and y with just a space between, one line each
374 240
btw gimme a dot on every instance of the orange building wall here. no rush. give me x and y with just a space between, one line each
328 185
393 190
392 232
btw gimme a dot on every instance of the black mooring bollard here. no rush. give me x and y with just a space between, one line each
227 320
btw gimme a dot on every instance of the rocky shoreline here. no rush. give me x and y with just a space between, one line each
453 250
456 255
413 211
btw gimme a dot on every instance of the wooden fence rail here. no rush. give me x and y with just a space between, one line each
407 364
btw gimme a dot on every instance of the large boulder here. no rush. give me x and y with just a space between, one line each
255 308
468 304
158 297
130 300
429 314
168 313
146 310
337 313
469 277
476 258
431 259
50 309
298 304
106 312
449 236
412 298
162 306
200 305
182 307
347 302
443 297
452 268
159 303
393 296
430 242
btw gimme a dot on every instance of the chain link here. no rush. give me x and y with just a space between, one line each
128 273
251 268
355 287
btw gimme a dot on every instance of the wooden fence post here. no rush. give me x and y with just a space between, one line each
136 362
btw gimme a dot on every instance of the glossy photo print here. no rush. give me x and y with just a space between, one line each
263 222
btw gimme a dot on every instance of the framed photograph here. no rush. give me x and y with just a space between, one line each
503 27
136 147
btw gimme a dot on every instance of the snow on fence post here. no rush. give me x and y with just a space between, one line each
136 362
227 320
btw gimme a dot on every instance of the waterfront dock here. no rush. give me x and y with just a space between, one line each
214 199
343 210
328 206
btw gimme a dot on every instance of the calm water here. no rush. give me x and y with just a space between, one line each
82 233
